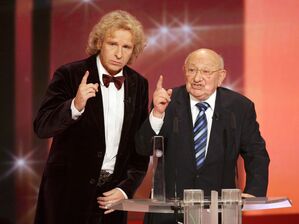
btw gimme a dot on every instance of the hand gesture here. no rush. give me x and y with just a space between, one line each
84 92
108 198
245 195
161 98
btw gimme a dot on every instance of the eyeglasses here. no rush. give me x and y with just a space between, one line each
204 72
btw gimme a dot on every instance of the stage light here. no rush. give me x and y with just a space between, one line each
186 28
174 32
164 29
152 41
20 163
86 1
86 5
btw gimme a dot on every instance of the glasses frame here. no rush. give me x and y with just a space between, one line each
204 72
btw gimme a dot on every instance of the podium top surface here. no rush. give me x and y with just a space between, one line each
148 205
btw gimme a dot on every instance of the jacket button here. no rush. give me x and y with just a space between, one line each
92 181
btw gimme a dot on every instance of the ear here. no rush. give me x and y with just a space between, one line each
184 68
99 44
221 77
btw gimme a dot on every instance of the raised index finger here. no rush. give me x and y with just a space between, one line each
160 82
84 79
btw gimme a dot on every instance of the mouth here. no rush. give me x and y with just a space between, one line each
116 63
197 86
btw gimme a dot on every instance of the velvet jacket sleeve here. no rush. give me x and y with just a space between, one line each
54 115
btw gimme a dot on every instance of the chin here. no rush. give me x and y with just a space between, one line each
199 96
197 92
114 70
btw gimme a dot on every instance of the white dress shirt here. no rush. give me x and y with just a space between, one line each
156 123
113 106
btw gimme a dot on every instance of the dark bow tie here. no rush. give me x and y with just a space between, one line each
118 81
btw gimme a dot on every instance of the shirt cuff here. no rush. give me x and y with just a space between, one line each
126 197
75 113
156 122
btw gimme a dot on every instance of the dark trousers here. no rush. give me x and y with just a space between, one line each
158 218
116 217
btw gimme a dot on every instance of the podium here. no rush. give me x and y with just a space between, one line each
196 208
205 212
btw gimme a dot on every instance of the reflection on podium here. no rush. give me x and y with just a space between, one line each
197 208
206 211
158 181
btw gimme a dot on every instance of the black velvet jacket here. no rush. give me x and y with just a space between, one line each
69 181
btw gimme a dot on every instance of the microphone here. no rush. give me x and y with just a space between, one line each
127 101
175 132
216 116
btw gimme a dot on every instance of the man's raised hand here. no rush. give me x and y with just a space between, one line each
161 98
84 92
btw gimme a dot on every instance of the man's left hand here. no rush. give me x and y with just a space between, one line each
245 195
109 198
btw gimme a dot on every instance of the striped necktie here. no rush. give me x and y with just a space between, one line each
200 133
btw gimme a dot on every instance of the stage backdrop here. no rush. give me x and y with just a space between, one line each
259 43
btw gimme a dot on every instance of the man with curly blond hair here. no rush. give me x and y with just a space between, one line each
92 109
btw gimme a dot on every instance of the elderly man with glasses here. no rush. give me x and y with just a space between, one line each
206 128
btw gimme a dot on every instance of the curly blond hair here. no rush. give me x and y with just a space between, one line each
112 21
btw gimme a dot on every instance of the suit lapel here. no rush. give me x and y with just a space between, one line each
96 103
130 86
183 112
218 135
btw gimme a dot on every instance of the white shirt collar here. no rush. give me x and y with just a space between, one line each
102 70
211 100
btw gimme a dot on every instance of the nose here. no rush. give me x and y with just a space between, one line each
118 53
198 76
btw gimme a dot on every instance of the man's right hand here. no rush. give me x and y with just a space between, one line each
161 98
84 92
